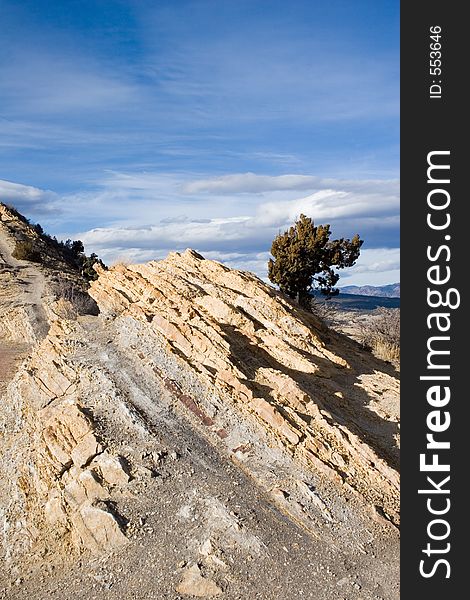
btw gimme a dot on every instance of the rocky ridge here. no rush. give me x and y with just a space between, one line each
253 350
392 290
189 368
48 440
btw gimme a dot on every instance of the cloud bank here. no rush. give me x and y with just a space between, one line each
27 198
232 218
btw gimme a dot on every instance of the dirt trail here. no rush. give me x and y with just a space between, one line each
10 356
29 275
29 278
22 286
6 259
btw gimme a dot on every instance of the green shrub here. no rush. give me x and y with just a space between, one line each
382 334
305 258
25 250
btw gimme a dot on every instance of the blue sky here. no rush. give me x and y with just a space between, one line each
148 126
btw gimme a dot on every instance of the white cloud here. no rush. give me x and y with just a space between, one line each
170 215
228 225
239 241
26 197
327 205
115 254
143 216
252 183
376 266
175 233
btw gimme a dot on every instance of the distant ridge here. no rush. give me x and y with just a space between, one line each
392 290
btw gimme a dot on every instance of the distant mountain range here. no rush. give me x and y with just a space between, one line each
392 290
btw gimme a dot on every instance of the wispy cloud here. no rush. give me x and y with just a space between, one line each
248 182
27 198
157 130
215 222
50 84
253 183
284 77
228 87
376 266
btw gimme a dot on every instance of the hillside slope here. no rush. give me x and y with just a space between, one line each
200 436
391 290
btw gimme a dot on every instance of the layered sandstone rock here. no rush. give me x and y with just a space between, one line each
262 380
56 475
258 352
61 473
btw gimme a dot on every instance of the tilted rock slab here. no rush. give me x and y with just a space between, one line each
61 475
265 356
225 349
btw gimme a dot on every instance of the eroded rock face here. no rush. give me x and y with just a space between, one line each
268 358
60 472
76 489
257 376
64 479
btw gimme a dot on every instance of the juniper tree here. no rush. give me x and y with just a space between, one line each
304 258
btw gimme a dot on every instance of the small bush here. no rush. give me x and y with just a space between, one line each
87 267
25 250
76 297
382 334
